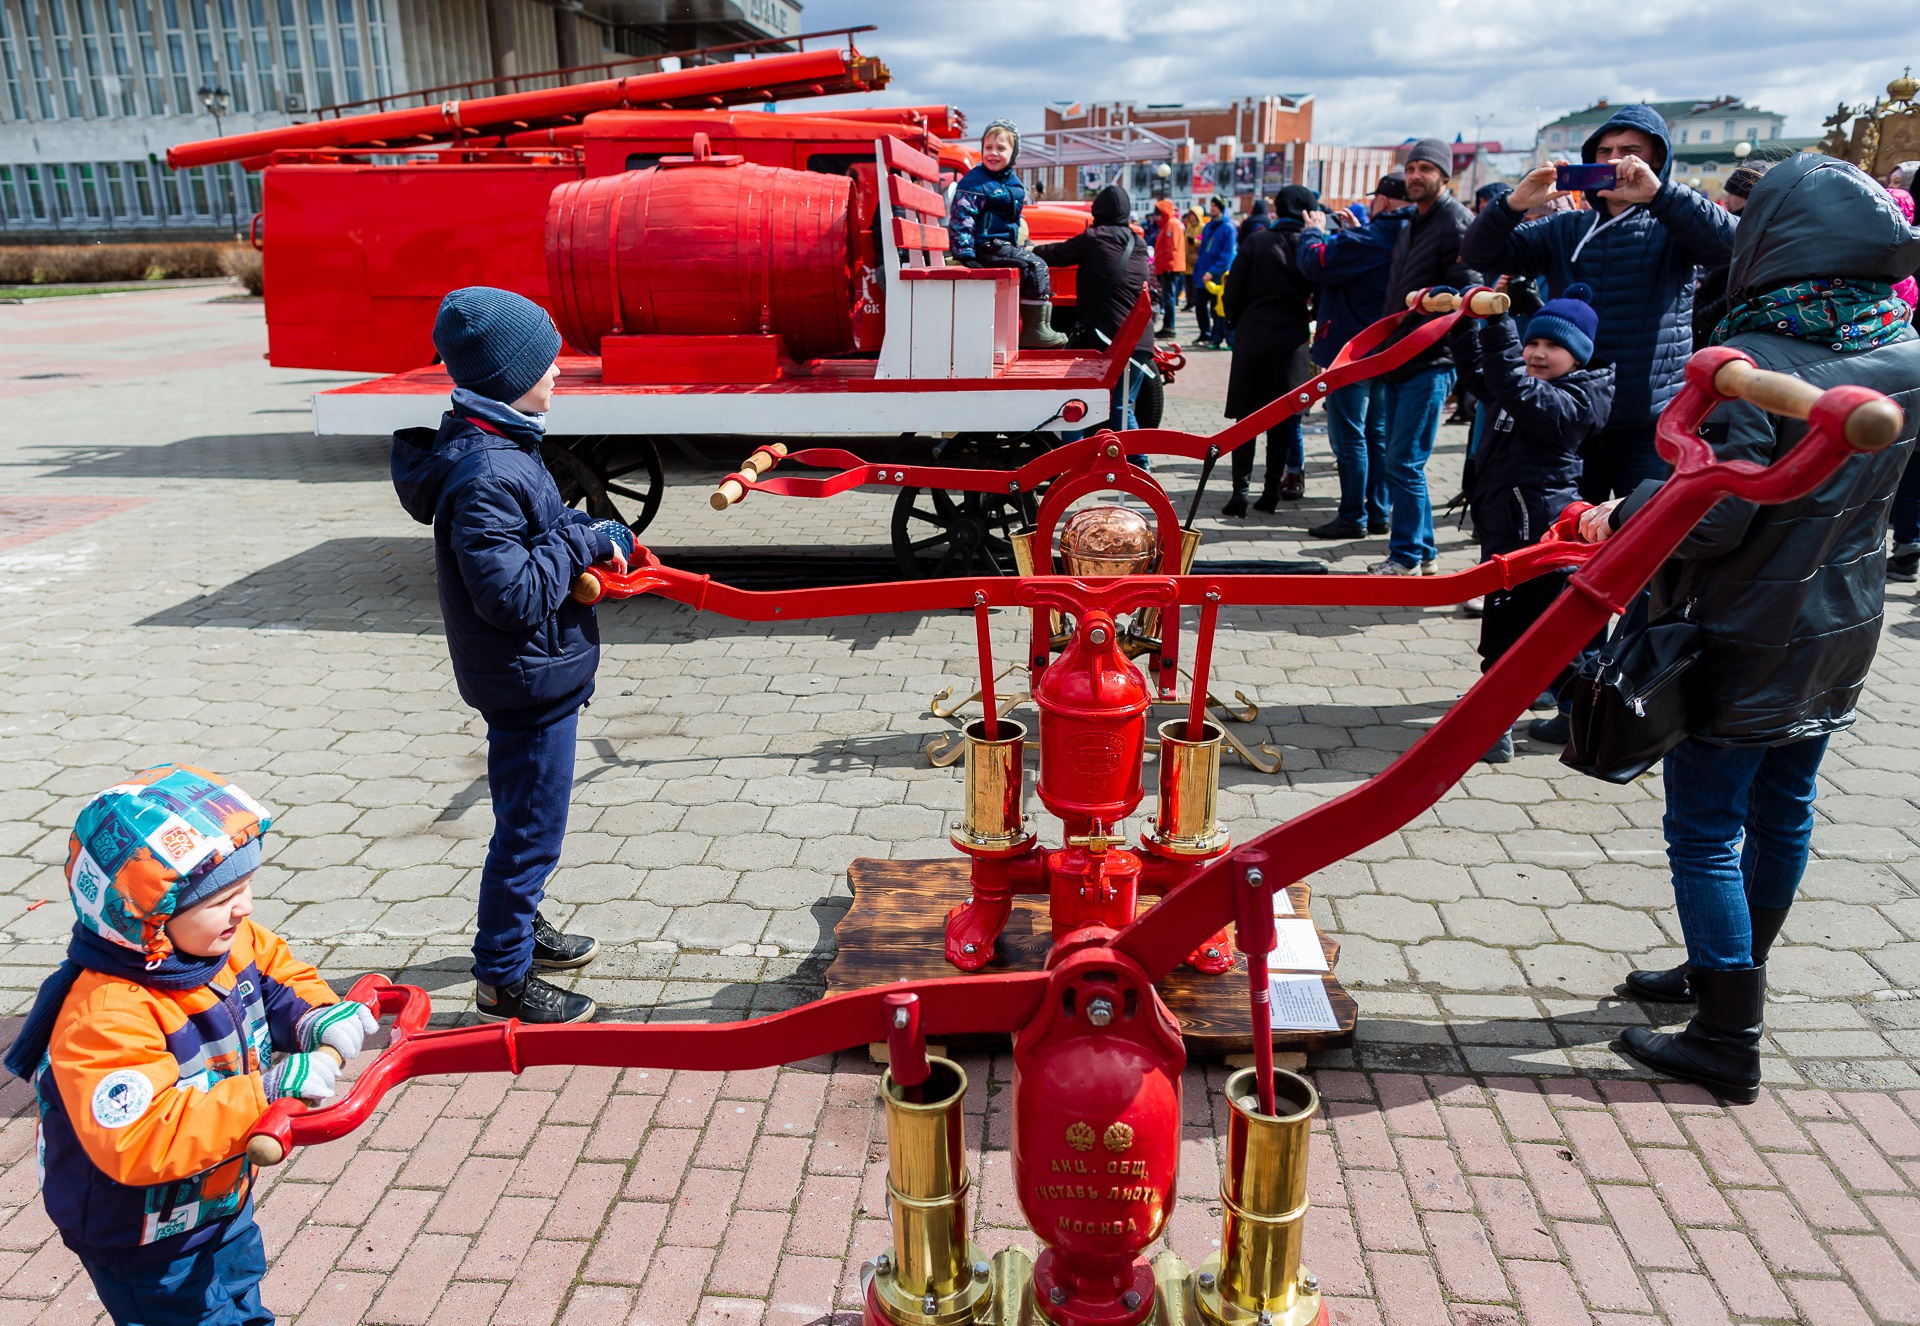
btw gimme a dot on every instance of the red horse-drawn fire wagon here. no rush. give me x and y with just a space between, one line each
714 271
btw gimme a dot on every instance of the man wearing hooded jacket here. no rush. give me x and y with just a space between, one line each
1788 598
1636 250
1114 265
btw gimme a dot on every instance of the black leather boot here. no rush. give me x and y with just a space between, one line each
1242 471
1663 987
1670 986
531 999
1720 1048
553 951
1269 500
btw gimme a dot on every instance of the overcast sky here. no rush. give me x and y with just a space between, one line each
1381 70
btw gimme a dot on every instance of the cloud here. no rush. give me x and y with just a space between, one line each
1386 69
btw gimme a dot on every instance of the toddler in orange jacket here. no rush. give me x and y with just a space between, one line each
171 1026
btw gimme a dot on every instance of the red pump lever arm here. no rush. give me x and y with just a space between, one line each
1842 421
1367 355
947 1007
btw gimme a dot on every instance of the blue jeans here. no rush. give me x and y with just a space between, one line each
1357 432
217 1284
530 778
1738 823
1413 421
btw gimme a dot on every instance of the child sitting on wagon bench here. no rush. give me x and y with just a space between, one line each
157 1045
506 551
984 231
1548 397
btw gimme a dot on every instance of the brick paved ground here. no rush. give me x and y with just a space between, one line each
269 612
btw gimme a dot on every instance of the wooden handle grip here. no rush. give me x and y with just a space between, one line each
1487 303
264 1150
731 490
1441 302
763 460
1870 427
587 588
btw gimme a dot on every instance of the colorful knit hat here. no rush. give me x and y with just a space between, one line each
147 849
1570 321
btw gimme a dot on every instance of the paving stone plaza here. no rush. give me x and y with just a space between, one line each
187 574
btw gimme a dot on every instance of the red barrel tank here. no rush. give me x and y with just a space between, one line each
1093 705
704 245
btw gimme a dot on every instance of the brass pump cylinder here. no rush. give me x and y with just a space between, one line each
1263 1192
1187 820
993 818
927 1278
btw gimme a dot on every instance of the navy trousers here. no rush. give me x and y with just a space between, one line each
530 778
217 1284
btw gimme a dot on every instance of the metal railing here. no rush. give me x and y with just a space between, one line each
696 55
1104 144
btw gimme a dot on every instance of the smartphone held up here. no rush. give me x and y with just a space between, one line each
1600 175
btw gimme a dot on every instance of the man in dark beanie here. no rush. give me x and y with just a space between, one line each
506 552
1426 253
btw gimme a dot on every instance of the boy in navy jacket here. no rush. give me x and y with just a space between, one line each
1548 399
506 552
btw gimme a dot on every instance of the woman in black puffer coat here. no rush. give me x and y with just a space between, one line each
1269 305
1789 600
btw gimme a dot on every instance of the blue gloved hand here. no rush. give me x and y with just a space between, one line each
617 534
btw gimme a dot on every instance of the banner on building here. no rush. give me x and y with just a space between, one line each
1182 179
1091 179
1203 177
1246 174
1273 169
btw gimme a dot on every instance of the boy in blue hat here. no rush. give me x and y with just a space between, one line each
1548 398
156 1046
506 552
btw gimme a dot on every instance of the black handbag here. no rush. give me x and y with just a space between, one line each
1636 699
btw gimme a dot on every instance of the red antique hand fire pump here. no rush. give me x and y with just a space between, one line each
1097 1056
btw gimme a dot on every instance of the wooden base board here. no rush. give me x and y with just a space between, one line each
895 931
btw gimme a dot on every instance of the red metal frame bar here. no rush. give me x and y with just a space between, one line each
1362 358
426 96
1208 900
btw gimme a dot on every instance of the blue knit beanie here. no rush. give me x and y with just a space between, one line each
1569 321
494 343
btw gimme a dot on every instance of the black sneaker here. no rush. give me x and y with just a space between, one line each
531 1000
1376 527
1338 529
1903 566
1550 731
553 951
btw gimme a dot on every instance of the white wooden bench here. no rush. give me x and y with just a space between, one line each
943 320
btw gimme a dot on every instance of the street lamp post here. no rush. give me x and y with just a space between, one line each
216 99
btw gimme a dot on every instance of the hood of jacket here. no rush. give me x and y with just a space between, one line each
1644 118
1112 206
1167 212
1817 216
422 460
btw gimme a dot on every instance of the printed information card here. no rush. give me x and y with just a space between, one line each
1296 945
1300 1004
